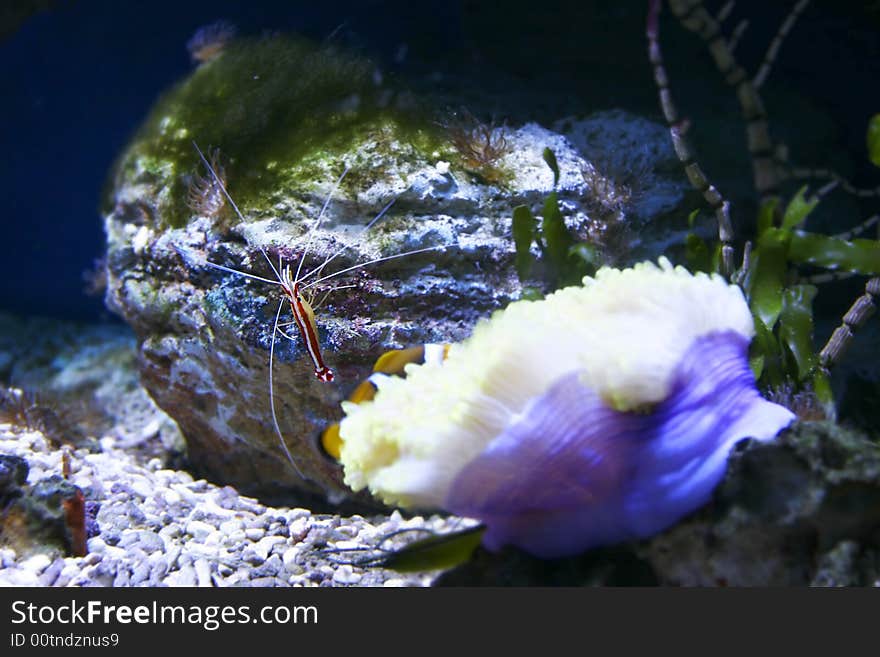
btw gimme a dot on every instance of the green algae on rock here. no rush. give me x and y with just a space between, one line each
277 106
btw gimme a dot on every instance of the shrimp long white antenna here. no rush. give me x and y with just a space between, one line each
372 222
272 395
373 262
228 196
318 223
232 203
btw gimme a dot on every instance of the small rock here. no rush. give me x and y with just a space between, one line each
150 542
172 556
186 576
249 555
172 530
270 568
18 577
141 573
203 572
199 530
265 545
50 575
7 557
37 563
289 558
67 574
141 486
231 526
345 575
266 582
123 578
254 533
91 558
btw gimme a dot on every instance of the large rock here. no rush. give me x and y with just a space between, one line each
205 335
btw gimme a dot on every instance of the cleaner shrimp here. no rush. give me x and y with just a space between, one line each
297 289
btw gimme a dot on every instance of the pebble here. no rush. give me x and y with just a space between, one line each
289 558
254 533
199 530
18 577
203 572
249 555
186 576
266 582
50 575
150 541
231 526
123 578
69 571
172 555
160 527
7 557
345 575
270 568
141 486
37 563
141 573
265 545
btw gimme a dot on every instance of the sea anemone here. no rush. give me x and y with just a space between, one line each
602 413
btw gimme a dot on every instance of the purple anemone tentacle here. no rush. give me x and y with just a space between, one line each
571 473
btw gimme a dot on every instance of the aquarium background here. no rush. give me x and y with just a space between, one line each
78 76
142 454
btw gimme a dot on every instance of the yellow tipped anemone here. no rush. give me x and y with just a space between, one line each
623 332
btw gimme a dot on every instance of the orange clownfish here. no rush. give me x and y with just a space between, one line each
391 363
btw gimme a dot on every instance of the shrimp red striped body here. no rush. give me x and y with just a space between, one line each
304 317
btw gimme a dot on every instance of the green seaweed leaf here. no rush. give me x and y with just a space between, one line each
766 213
873 139
796 327
550 158
559 240
696 253
860 256
588 255
531 294
823 392
524 227
798 208
765 357
435 552
767 280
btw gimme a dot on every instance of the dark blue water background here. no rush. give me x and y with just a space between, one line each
76 81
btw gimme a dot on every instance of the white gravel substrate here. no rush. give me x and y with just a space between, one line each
160 527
